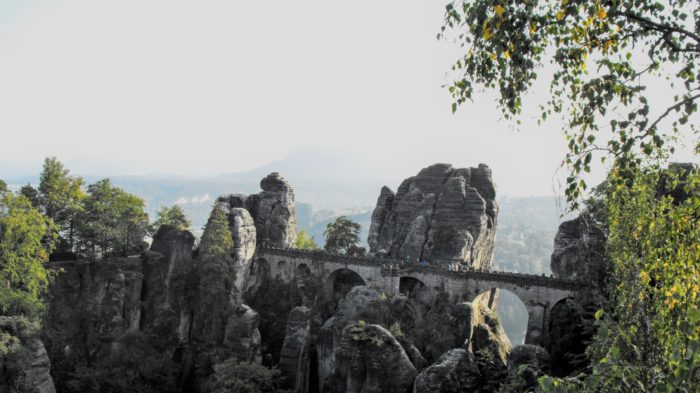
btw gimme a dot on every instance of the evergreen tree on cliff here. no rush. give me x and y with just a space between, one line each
60 196
341 235
172 216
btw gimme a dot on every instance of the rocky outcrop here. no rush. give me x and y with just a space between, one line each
526 364
488 333
242 337
294 357
27 367
442 215
91 305
370 359
579 251
36 376
455 372
272 210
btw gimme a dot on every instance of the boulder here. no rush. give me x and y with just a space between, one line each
371 360
443 215
455 372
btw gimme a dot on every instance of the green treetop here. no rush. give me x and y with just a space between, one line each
341 235
305 242
112 221
26 238
30 193
60 196
173 216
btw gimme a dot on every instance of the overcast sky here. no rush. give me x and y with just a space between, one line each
207 87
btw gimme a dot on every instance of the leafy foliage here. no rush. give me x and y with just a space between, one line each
173 216
604 55
433 330
233 376
648 337
30 193
26 237
341 235
59 195
305 242
112 221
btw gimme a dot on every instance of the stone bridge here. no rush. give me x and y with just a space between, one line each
539 294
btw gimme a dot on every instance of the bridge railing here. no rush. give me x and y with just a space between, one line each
397 267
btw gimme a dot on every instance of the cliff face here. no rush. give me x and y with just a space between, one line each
97 309
442 215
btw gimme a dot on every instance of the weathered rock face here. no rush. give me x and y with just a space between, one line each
36 377
90 306
371 360
243 232
294 358
272 210
488 333
579 251
442 215
455 372
32 375
242 336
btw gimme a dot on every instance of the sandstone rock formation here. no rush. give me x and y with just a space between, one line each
32 374
370 359
272 210
36 377
443 215
488 333
294 357
579 250
241 335
455 372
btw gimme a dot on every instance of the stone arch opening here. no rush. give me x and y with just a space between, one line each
303 270
567 335
341 281
415 289
511 311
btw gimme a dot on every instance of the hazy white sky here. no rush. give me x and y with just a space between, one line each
206 87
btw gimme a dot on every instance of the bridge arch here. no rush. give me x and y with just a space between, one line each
340 282
303 271
415 289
